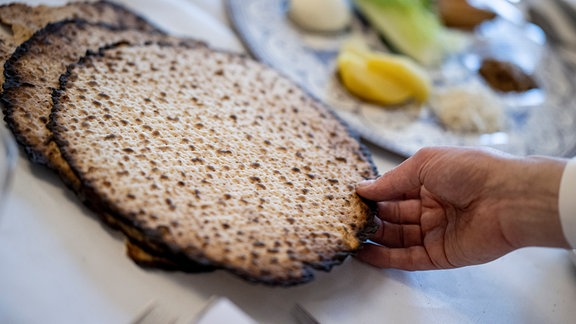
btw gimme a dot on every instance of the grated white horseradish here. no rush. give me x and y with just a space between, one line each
468 108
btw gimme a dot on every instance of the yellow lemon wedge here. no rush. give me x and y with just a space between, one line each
380 77
404 71
370 86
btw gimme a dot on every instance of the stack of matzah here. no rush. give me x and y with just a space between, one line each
203 159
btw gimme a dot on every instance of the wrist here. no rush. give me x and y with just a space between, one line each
534 213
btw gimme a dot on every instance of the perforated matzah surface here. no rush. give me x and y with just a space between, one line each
215 156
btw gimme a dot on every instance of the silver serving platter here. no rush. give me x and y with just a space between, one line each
541 121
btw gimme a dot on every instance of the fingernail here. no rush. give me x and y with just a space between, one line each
364 183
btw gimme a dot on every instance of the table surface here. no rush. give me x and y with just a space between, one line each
65 267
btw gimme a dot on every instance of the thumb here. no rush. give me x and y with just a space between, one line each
364 188
365 183
399 183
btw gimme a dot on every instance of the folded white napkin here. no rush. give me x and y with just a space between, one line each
222 310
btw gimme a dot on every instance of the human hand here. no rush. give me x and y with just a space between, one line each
453 207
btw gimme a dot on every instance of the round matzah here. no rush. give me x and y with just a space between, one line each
216 157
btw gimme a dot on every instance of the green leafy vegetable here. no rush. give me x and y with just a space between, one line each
410 26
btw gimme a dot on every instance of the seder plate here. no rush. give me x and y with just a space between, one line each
536 122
